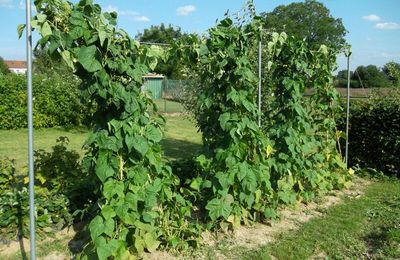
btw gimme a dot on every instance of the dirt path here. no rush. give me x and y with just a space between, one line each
10 249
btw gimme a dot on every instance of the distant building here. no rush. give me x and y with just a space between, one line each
16 66
153 83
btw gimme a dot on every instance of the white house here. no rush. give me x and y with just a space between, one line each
16 66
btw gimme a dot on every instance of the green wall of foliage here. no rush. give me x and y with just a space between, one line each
374 138
56 102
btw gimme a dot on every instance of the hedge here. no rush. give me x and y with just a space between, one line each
374 137
56 102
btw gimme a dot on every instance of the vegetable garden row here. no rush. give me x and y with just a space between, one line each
139 202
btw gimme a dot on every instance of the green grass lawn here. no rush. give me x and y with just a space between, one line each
364 228
181 140
169 106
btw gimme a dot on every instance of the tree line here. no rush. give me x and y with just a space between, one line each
370 76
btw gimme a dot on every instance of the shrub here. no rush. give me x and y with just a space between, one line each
51 207
374 137
56 102
61 171
62 193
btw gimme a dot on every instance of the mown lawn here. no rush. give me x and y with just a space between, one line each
169 106
363 228
181 140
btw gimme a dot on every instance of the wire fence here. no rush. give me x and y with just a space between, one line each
168 94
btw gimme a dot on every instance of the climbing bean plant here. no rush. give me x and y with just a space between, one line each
236 170
302 129
139 207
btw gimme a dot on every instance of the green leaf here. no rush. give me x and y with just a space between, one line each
270 213
196 184
66 55
45 29
108 227
113 187
249 181
151 242
225 179
248 105
223 119
153 133
243 171
20 30
103 169
102 36
287 196
108 212
76 33
41 17
102 249
139 245
87 57
153 63
140 144
96 227
218 208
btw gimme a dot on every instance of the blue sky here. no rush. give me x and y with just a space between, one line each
373 25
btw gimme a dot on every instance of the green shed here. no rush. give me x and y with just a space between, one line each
153 83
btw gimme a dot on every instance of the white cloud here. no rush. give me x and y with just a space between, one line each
388 26
6 3
185 10
132 15
390 55
141 18
372 18
110 9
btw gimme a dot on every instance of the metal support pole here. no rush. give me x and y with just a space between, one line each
164 94
347 109
30 130
259 81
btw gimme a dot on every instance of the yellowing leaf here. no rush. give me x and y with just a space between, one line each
269 150
20 29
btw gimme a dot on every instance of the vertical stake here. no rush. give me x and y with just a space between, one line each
30 130
347 109
259 81
165 97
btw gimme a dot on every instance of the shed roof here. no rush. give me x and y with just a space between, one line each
153 76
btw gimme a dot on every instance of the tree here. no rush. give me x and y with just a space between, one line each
164 35
392 71
161 34
341 80
3 67
47 64
371 77
309 20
